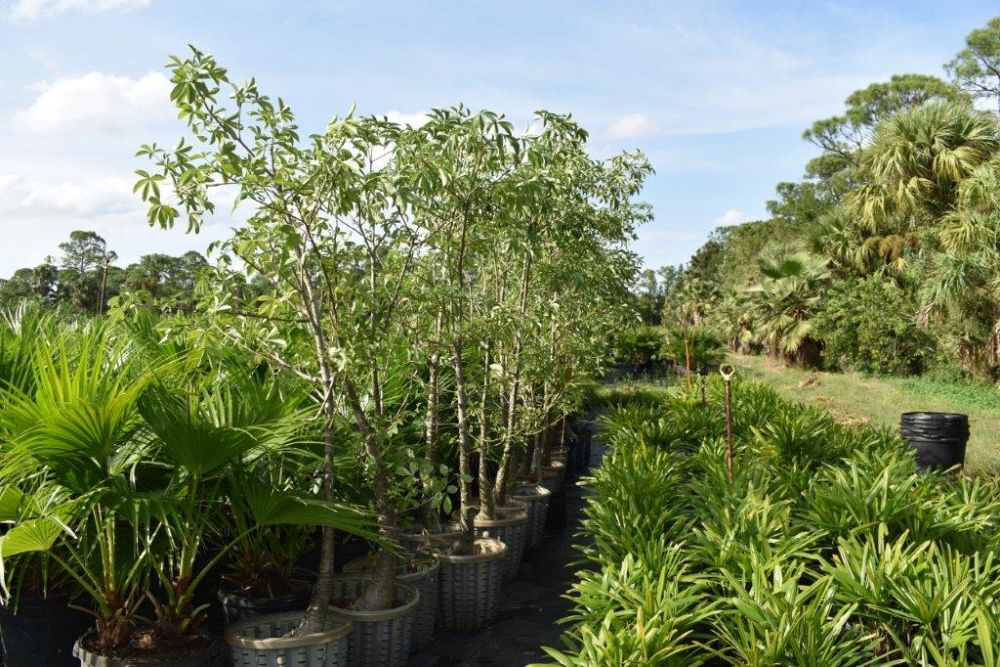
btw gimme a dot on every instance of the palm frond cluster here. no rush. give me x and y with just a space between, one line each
129 470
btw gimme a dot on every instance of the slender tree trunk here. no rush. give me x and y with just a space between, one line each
314 619
431 515
487 508
381 594
500 485
464 451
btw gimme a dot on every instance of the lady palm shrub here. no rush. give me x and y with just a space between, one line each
880 491
638 506
750 534
799 442
778 616
674 425
928 603
639 613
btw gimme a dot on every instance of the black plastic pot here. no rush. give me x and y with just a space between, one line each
555 519
938 438
42 632
239 608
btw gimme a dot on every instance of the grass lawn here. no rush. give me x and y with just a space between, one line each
856 399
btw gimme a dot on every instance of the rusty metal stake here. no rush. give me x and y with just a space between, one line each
727 371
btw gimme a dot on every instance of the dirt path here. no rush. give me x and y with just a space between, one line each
532 604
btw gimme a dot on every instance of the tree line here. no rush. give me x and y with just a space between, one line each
84 278
885 256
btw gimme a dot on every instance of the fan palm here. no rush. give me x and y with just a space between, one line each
916 161
134 477
784 300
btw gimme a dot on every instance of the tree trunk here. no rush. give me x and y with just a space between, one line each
430 512
464 453
314 620
487 508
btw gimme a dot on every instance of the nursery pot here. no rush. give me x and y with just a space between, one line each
554 476
537 498
510 527
381 638
470 586
550 478
937 438
237 607
427 542
41 632
208 652
260 641
555 516
425 579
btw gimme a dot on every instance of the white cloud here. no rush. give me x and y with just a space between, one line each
96 103
93 196
415 119
731 217
32 10
633 126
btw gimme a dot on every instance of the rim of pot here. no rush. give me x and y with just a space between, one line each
494 550
447 528
512 504
516 518
364 564
342 628
530 491
378 614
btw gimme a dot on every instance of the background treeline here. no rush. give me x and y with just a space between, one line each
885 257
85 278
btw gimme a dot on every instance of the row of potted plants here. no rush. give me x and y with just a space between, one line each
202 476
396 335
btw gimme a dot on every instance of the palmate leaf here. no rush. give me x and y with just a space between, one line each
31 536
276 510
219 425
11 501
80 408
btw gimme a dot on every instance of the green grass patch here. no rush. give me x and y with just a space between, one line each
856 399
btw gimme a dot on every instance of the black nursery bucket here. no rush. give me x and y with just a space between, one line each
42 632
938 438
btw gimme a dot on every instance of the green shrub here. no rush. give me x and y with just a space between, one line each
638 614
777 617
695 344
640 345
870 326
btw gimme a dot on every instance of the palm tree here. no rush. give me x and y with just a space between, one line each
785 299
916 161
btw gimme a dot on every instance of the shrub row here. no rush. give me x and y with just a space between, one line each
827 548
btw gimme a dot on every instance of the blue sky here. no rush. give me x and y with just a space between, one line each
716 93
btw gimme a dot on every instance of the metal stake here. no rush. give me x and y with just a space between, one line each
727 371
